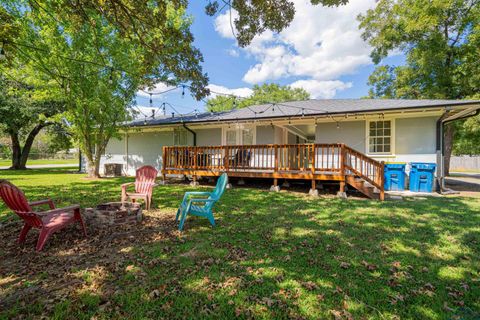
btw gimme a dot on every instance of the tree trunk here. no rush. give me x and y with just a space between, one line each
28 144
448 139
92 166
16 152
19 154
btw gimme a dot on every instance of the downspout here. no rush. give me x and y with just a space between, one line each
193 133
441 148
440 152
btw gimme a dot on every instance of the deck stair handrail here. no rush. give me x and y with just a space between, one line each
363 166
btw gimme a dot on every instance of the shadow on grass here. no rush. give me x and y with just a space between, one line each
272 255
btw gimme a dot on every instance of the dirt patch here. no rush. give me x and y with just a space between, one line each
70 263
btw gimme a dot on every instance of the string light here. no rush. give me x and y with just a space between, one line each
183 91
303 112
151 101
338 125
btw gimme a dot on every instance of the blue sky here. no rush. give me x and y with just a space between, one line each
321 51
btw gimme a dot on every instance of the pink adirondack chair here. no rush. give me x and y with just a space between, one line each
144 183
47 221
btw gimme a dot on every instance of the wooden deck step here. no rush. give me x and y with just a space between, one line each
363 186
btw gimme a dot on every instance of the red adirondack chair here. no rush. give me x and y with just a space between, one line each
144 183
47 221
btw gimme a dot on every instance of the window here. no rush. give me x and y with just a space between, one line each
231 137
239 136
247 136
380 136
179 137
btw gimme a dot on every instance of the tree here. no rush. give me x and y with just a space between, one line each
24 112
254 17
100 66
101 53
139 19
440 39
266 93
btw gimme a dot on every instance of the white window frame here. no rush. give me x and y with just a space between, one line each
392 137
182 131
239 136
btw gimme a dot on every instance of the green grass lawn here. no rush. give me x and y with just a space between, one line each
73 162
271 256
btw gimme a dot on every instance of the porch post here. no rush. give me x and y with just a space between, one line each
313 191
164 157
342 171
275 186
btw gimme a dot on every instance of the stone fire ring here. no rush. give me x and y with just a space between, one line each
113 213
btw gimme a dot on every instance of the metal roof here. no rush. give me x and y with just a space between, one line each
293 109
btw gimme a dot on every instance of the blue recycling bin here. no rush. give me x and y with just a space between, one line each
422 176
394 176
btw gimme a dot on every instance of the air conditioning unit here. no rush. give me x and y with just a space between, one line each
113 169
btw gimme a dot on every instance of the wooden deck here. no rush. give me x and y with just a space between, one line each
314 162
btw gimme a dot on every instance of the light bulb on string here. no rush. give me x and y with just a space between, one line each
338 125
151 101
273 107
183 91
303 112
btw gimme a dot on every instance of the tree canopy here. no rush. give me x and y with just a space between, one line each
25 109
100 53
266 93
441 42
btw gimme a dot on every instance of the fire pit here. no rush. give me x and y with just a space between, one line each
114 213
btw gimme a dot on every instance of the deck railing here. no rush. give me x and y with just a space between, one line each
315 159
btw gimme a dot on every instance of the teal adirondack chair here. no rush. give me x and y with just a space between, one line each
201 203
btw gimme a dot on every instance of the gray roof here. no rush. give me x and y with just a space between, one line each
308 108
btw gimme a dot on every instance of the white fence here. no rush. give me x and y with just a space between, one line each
465 163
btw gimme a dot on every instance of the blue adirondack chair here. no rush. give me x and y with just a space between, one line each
201 203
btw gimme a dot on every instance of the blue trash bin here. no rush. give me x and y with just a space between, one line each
422 176
394 176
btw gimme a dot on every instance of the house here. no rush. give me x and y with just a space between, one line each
338 140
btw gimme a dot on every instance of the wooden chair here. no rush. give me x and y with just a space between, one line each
47 221
241 159
144 183
195 205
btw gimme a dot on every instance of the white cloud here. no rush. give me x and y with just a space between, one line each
139 112
224 24
239 92
321 89
233 52
321 44
159 87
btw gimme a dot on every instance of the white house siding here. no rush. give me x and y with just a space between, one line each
415 139
352 133
143 149
209 137
114 153
265 134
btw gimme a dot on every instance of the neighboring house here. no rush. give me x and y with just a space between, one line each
294 140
